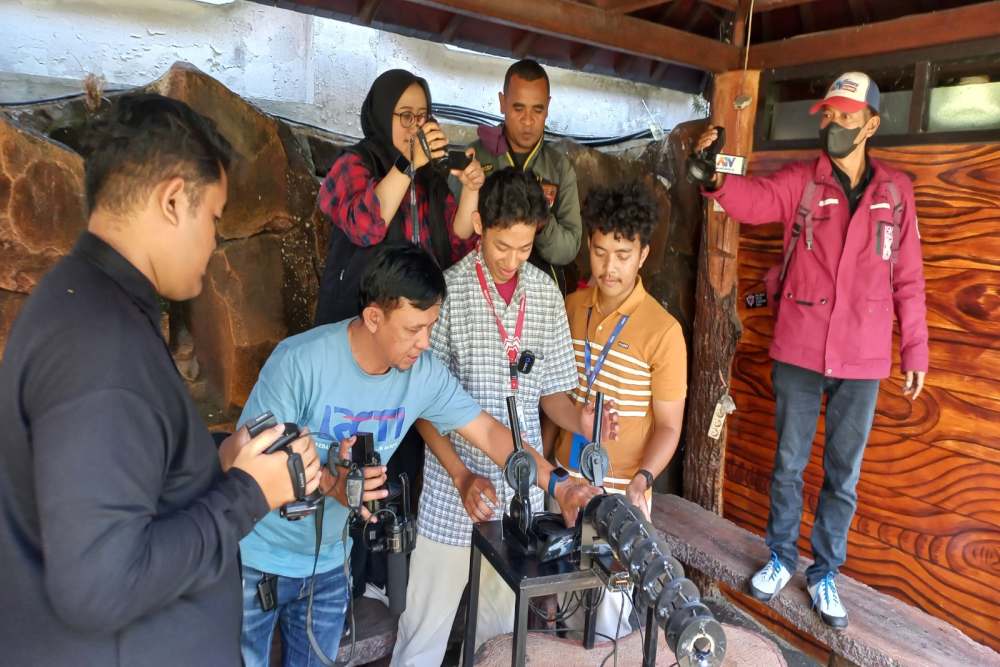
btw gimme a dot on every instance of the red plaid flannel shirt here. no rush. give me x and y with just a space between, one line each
348 198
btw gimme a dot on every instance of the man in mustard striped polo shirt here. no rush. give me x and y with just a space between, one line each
627 346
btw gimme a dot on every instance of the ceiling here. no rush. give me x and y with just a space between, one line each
676 44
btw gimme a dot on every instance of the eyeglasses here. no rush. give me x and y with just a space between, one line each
407 118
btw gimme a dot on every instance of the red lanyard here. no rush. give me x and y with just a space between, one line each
511 345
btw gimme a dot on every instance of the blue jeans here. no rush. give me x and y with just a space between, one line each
329 609
850 410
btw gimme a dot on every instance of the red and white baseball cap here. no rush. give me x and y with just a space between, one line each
852 91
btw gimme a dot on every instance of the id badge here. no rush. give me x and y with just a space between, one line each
579 442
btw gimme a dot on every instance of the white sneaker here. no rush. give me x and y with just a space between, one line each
375 593
769 579
827 602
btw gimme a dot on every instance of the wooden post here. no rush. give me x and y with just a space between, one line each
716 325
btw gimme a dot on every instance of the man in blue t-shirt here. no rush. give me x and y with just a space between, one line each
372 373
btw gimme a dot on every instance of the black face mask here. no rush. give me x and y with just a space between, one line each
837 140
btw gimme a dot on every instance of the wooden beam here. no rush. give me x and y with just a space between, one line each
921 92
859 12
716 323
909 32
593 26
728 5
582 56
807 17
760 6
659 70
627 6
695 16
366 15
448 34
524 45
740 25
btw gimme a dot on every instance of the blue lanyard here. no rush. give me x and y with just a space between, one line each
592 373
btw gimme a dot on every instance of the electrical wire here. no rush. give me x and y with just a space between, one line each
475 117
614 651
452 112
638 623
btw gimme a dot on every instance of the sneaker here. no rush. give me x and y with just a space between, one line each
827 602
376 593
769 579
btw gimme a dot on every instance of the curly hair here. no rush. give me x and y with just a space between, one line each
512 196
627 211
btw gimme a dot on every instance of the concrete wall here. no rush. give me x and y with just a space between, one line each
308 68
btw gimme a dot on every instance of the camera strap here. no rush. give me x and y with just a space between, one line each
414 211
511 344
591 373
313 642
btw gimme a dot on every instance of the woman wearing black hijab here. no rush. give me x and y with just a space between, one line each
368 193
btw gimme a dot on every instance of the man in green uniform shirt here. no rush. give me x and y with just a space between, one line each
519 142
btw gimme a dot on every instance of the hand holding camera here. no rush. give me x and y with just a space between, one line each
701 163
259 459
430 143
373 479
466 168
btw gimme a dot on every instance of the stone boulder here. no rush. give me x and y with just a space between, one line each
41 205
239 317
10 305
263 281
270 183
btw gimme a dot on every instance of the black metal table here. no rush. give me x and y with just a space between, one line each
528 578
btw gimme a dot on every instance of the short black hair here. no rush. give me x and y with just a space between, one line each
526 69
401 270
627 211
143 139
512 196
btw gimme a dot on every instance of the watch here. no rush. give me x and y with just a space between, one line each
402 164
648 475
557 475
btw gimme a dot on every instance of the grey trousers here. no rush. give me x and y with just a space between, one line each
850 410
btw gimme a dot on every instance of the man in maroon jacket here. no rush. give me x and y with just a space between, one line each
852 259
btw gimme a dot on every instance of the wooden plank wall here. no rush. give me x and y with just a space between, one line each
927 529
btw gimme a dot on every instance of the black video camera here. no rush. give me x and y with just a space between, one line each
450 160
304 504
701 165
395 533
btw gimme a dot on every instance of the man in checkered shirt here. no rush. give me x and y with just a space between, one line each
460 484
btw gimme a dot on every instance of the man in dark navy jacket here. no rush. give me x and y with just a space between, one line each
120 519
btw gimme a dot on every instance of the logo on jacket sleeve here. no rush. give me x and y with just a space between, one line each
887 242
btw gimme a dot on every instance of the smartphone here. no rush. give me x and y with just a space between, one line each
458 160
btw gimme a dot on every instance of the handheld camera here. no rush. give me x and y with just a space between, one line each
395 533
701 165
304 504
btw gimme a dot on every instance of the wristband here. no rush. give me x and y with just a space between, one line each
648 475
557 475
402 164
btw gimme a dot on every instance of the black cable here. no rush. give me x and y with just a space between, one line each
450 111
563 611
58 98
474 117
638 622
313 643
614 650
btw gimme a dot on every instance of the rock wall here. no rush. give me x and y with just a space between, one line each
262 280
